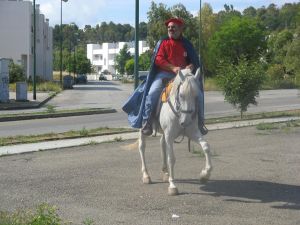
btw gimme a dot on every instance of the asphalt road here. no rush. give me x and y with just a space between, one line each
114 94
255 181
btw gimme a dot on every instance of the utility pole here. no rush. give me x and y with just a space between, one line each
34 52
136 39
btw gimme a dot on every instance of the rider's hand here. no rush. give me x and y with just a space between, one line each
176 69
190 66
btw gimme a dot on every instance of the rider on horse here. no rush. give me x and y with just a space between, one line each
171 54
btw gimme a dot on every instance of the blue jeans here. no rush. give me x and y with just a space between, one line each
155 91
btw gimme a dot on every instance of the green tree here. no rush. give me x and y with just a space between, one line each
129 66
241 82
277 45
156 27
289 14
292 59
121 59
250 12
208 28
81 63
236 38
227 14
145 61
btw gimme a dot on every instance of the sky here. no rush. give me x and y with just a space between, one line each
92 12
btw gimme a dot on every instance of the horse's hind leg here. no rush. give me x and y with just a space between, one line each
165 174
142 145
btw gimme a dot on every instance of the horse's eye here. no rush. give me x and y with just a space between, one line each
181 96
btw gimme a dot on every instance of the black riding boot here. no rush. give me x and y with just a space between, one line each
147 128
202 127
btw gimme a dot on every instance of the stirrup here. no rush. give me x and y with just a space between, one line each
203 129
147 129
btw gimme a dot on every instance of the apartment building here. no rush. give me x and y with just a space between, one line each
102 56
16 37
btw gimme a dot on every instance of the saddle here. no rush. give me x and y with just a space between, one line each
166 91
163 96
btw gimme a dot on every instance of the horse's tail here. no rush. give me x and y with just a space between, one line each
131 146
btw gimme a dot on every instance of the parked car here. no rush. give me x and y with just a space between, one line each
81 79
102 77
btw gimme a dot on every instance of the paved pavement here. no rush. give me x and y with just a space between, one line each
255 181
48 145
112 94
255 178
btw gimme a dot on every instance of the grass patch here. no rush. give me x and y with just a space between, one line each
248 116
50 109
267 126
21 139
286 126
47 86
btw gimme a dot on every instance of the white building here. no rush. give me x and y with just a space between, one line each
103 56
16 37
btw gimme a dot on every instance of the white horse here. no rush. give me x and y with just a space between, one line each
178 117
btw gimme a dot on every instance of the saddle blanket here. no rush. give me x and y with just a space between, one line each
166 92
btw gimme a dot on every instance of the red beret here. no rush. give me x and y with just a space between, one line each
177 21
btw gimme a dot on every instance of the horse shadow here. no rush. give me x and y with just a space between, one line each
285 196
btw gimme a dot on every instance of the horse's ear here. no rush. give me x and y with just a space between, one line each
181 76
198 74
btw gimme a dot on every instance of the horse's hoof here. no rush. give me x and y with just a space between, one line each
203 180
165 177
146 180
172 191
204 176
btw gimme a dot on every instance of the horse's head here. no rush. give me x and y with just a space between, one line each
185 92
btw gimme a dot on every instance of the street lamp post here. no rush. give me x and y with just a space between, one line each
34 52
136 40
200 32
61 41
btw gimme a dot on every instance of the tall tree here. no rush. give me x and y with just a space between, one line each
156 27
236 38
121 59
208 28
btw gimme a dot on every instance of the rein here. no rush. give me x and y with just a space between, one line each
178 110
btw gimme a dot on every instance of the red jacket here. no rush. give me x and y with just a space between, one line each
171 52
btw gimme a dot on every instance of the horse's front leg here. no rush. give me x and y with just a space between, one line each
165 173
195 135
172 190
142 145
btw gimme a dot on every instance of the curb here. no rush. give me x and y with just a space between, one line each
65 143
26 104
55 115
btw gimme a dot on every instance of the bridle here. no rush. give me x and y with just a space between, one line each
177 110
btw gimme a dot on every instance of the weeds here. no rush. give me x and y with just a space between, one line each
84 132
118 139
43 215
50 109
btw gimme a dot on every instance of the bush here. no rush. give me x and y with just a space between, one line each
16 73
